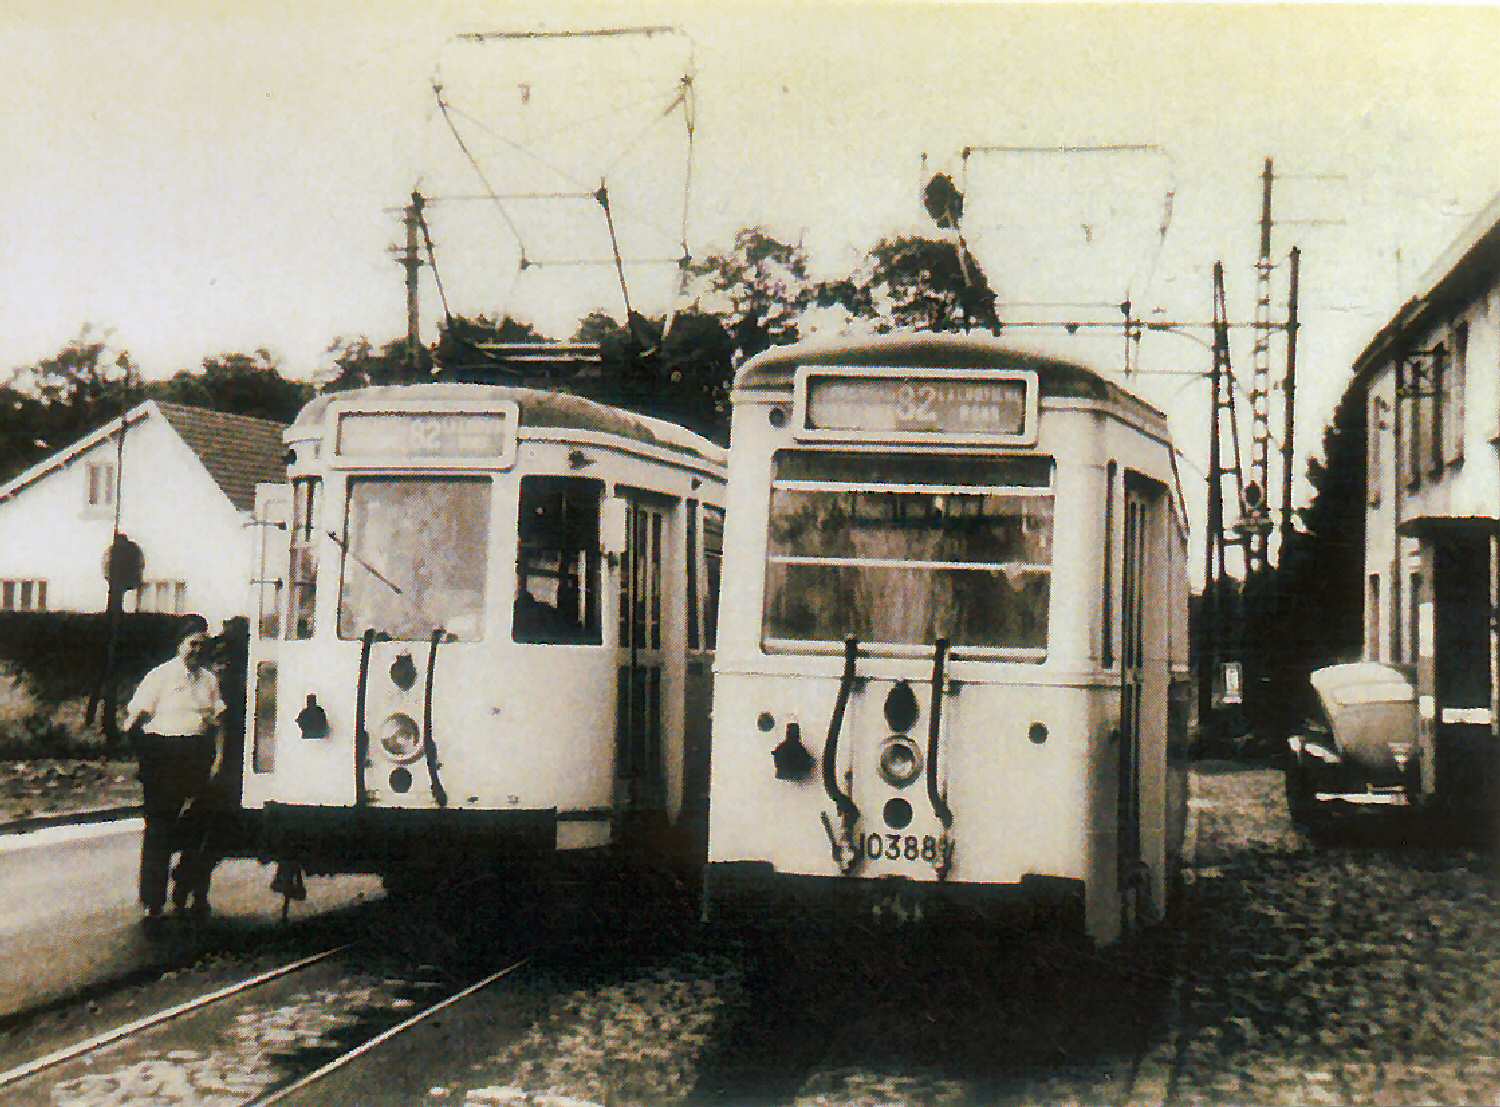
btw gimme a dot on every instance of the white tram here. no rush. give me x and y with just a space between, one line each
953 667
485 617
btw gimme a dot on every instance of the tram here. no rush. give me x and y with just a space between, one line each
953 670
485 622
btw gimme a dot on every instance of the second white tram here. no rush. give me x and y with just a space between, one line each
953 662
486 617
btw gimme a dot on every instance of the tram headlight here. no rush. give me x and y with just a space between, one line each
400 738
900 761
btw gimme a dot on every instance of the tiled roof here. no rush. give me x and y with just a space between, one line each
239 452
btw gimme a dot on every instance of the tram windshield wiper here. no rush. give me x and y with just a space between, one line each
365 565
934 725
429 743
841 799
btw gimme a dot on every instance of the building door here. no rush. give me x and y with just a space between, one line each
1462 682
640 780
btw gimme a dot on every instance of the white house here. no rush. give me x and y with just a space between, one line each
1431 381
184 479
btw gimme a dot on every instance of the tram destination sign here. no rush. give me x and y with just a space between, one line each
996 406
425 435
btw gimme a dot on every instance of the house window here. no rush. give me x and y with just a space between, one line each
1377 403
1437 381
1408 423
166 597
101 483
1453 398
1372 618
23 595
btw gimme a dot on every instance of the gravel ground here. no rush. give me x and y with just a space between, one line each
1362 971
55 787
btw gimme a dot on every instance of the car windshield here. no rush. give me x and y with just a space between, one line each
904 549
415 556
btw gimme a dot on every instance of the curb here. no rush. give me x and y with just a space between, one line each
70 818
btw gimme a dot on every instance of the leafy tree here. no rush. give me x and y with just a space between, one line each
926 284
358 363
81 386
21 420
240 384
758 290
1317 616
461 340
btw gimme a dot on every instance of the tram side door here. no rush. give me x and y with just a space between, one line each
640 782
1141 502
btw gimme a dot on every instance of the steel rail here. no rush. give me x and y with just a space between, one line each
400 1028
79 1049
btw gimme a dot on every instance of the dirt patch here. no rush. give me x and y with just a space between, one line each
60 787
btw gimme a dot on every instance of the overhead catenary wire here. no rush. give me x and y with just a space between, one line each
681 95
499 206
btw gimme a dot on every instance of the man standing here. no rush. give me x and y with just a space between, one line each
178 704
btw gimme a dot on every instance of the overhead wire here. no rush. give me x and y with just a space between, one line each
478 170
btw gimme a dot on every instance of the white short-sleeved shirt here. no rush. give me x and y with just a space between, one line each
177 701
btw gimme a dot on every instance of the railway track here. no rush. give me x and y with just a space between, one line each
197 1047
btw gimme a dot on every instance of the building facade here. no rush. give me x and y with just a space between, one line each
178 481
1431 382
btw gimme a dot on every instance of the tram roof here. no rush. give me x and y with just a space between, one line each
774 369
539 408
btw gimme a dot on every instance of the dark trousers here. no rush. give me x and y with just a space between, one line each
174 777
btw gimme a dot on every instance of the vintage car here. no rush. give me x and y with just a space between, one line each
1360 751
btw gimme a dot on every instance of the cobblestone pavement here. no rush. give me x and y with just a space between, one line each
1363 971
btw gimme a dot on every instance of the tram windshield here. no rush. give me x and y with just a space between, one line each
904 549
415 555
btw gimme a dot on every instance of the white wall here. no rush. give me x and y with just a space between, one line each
169 506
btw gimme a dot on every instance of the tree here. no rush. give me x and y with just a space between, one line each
240 384
21 418
927 284
758 290
1318 614
81 386
358 363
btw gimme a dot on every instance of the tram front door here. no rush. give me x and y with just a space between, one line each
640 784
1137 602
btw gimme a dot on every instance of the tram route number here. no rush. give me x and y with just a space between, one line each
898 847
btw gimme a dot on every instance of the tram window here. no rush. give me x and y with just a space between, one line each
713 561
694 595
892 559
557 561
307 503
415 557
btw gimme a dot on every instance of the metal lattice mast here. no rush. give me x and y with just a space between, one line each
1260 381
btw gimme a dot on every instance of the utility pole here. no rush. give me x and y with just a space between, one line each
1208 643
409 257
1260 382
1289 432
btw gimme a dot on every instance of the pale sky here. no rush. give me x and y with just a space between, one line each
204 178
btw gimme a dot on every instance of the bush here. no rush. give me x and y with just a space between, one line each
32 727
62 653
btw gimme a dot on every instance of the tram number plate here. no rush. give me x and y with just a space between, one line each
899 847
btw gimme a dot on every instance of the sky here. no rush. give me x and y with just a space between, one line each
197 179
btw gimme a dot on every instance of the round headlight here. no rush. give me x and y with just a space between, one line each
900 761
400 738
